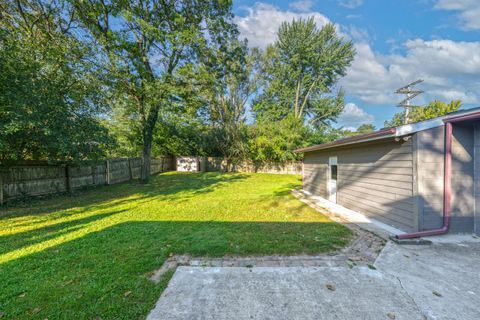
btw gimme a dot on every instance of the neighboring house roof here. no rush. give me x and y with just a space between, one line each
392 132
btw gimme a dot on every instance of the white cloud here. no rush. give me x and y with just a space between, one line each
350 4
262 21
302 5
356 34
354 116
353 16
450 70
368 78
444 57
468 12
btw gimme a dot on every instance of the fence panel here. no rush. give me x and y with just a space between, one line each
220 164
34 180
119 171
21 181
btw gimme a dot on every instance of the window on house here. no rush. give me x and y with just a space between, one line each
333 172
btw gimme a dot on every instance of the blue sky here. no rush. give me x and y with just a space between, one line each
396 41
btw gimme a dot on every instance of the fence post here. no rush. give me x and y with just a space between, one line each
68 187
94 174
130 168
107 171
1 187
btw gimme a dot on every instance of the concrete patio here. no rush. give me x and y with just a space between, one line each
438 281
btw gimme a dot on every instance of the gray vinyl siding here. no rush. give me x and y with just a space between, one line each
476 184
463 199
315 173
430 148
375 179
430 151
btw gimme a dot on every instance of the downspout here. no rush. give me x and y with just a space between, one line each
447 192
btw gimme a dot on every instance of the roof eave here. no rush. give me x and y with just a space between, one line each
400 131
377 135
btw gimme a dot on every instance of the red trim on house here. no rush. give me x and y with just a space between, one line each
472 116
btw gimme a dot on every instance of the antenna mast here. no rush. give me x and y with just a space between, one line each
410 93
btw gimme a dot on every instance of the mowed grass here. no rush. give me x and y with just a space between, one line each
90 255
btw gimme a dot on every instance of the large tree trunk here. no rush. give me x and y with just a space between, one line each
146 160
147 144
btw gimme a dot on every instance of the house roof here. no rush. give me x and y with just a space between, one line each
399 131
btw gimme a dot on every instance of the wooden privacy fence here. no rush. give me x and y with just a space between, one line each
220 164
42 179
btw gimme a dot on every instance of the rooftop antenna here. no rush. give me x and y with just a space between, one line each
410 93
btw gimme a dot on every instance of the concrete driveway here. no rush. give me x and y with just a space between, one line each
443 279
439 281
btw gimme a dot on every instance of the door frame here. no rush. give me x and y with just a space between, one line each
332 185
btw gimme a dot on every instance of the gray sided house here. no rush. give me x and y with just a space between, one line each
417 177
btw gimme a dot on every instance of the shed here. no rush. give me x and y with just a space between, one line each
188 164
421 178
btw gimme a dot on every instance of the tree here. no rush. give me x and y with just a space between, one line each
233 81
50 102
301 70
182 135
342 133
365 128
275 141
434 109
144 44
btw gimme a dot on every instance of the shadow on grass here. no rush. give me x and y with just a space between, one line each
105 274
172 186
82 257
279 196
16 241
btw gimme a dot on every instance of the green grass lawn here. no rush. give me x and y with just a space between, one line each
89 255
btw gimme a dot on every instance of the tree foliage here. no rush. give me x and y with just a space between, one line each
365 128
145 43
362 129
301 70
432 110
233 71
50 105
276 141
161 77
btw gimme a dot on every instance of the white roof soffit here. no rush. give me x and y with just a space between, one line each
432 123
386 133
419 126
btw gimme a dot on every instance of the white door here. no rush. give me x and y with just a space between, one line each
332 179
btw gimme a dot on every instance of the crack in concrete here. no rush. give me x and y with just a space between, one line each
409 296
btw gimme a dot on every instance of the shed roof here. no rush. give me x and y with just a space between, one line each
386 133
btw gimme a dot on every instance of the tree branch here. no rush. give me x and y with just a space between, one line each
305 99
